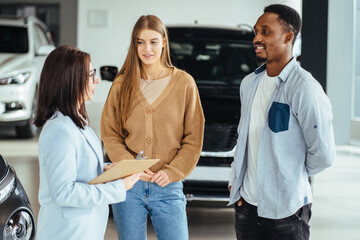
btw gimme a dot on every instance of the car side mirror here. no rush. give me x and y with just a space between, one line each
108 73
45 50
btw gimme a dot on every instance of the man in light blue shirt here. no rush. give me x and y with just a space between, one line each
285 136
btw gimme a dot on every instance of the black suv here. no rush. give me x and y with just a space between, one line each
218 59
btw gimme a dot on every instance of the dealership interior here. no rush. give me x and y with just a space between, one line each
328 49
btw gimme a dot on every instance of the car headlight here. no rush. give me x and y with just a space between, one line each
7 190
15 79
19 227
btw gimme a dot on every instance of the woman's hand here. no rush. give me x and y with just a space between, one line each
146 175
131 180
108 166
161 178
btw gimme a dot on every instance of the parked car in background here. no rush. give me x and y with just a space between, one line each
25 43
218 58
17 221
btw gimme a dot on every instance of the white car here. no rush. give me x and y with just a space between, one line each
25 43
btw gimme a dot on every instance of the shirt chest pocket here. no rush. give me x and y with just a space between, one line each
279 116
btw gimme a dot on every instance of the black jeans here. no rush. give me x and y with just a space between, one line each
249 226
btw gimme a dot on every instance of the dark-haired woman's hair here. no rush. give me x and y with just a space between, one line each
63 83
289 18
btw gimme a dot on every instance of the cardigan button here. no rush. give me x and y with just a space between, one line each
149 140
148 110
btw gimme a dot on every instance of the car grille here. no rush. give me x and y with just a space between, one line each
219 137
203 188
215 161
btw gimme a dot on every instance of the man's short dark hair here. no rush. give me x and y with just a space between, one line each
289 18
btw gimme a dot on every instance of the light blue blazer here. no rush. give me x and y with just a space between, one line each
69 157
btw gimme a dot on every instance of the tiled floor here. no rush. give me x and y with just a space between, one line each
336 210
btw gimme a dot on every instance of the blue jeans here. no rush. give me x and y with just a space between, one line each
165 206
249 226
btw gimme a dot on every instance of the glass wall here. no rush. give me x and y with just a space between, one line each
356 92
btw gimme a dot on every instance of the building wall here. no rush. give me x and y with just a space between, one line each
104 27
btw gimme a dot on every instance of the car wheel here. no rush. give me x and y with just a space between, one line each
28 130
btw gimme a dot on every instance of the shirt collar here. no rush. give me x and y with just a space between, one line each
284 74
260 69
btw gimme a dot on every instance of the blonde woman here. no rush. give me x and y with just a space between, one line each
154 107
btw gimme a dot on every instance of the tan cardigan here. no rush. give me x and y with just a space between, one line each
171 129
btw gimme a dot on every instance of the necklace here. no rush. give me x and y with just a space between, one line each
148 83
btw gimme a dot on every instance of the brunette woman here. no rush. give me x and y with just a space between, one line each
70 154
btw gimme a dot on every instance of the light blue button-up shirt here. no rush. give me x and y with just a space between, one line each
297 141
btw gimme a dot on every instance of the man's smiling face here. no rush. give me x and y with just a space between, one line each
270 39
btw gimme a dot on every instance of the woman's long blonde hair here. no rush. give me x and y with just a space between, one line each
131 67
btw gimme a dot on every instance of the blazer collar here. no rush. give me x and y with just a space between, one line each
94 143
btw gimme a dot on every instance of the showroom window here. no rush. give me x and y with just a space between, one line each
356 96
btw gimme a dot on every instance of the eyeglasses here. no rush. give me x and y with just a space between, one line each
93 76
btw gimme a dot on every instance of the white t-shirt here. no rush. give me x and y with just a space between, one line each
259 106
152 89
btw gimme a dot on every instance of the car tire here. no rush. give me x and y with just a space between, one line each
28 130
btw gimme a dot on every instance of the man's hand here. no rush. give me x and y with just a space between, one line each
131 180
161 178
240 202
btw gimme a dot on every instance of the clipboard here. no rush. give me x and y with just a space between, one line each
122 169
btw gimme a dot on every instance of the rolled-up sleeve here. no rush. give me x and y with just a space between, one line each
315 118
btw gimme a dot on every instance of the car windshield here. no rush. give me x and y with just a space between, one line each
13 39
214 63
